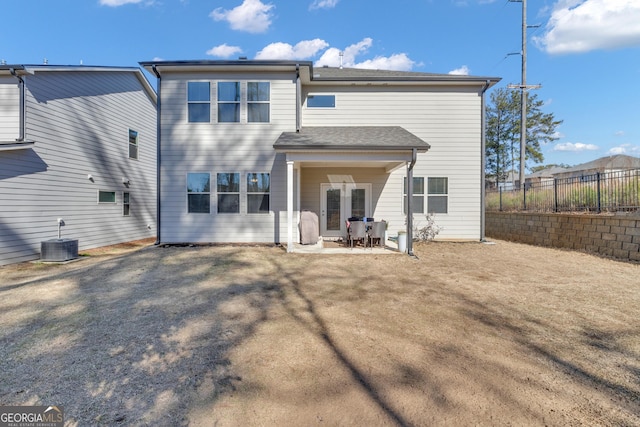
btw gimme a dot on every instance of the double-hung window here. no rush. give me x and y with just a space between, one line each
418 195
126 204
198 192
228 102
258 192
258 100
228 187
199 102
133 144
438 195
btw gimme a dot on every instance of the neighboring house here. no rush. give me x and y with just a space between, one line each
76 143
543 176
617 163
245 146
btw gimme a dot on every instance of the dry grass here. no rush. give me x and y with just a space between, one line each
467 334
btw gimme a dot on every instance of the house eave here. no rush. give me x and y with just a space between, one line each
16 145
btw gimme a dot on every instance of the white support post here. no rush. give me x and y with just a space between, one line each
289 206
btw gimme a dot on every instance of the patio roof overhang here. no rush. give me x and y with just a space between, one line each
361 146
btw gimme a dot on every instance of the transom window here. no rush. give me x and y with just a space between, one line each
418 195
228 187
438 195
258 188
258 100
321 101
199 102
133 144
198 192
228 102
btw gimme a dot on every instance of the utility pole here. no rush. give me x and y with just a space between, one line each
523 88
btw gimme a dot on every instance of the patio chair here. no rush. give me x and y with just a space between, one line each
357 233
376 233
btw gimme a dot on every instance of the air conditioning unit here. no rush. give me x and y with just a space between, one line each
59 249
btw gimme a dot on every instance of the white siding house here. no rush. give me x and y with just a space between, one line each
76 143
245 146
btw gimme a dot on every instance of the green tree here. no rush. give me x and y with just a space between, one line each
503 131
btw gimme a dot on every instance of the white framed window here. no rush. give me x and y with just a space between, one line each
133 144
418 195
438 195
321 101
228 102
258 102
199 102
198 192
126 203
228 189
106 196
258 193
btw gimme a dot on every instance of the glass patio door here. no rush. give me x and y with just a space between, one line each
340 202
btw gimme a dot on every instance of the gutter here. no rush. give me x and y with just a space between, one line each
158 152
483 130
22 105
414 157
298 99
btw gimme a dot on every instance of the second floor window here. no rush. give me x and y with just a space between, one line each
258 99
199 102
228 102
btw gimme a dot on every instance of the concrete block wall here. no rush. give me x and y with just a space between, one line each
615 236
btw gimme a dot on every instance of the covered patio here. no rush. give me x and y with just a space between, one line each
340 149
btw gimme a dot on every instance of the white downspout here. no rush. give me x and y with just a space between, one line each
483 143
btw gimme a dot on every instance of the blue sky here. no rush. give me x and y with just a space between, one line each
585 53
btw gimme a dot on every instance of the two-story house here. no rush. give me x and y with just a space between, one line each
245 146
77 144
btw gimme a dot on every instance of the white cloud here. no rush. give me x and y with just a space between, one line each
116 3
323 4
224 51
251 16
302 50
331 58
577 146
619 133
577 26
462 71
625 149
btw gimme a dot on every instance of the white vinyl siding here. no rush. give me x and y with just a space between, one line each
78 120
9 108
219 148
447 118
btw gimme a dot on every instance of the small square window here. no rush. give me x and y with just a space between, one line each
106 196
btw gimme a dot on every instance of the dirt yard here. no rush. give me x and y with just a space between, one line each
467 334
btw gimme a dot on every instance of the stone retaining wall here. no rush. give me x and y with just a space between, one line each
614 236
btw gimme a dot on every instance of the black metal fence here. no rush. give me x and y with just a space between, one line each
598 192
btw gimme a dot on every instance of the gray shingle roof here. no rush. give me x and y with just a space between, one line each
351 138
